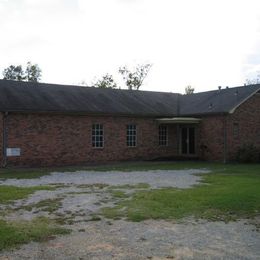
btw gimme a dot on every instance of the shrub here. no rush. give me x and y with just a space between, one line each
248 153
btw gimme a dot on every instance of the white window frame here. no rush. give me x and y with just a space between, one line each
163 135
96 134
131 135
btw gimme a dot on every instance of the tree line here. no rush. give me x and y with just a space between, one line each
32 72
132 78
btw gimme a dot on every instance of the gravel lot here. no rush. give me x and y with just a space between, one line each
148 240
83 194
156 179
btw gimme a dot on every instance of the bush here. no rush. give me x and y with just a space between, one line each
248 153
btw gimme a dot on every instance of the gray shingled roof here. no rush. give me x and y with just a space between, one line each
28 96
41 97
216 101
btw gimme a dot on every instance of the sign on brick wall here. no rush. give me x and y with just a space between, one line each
13 151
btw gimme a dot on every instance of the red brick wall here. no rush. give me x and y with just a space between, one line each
211 138
47 139
247 116
1 139
211 131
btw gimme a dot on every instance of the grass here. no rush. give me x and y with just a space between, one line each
94 185
131 186
8 194
47 205
13 234
119 194
232 192
31 173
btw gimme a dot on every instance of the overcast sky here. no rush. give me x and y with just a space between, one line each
203 43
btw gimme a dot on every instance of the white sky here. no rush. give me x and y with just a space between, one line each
203 43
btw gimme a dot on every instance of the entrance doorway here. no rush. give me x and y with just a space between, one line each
188 141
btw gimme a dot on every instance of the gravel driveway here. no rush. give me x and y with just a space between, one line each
156 179
148 240
82 194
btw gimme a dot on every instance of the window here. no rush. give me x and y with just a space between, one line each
236 130
97 136
163 135
131 135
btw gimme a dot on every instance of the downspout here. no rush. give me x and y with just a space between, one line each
225 140
178 125
224 130
4 163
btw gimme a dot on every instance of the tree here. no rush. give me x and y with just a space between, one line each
134 79
83 83
253 81
32 73
14 73
189 90
107 81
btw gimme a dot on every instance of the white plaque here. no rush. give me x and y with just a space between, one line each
13 151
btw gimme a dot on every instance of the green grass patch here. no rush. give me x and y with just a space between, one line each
9 194
116 212
95 218
131 186
13 234
230 193
32 173
49 205
94 186
119 194
144 166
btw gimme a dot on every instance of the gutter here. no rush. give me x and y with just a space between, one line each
83 113
4 162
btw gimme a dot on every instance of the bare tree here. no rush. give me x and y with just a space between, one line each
134 79
253 81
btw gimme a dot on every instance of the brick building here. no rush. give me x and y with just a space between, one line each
47 124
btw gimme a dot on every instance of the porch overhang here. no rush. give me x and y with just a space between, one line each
179 120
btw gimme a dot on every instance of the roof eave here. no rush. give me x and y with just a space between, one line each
243 101
179 120
205 114
23 111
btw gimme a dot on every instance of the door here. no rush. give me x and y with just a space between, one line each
188 140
